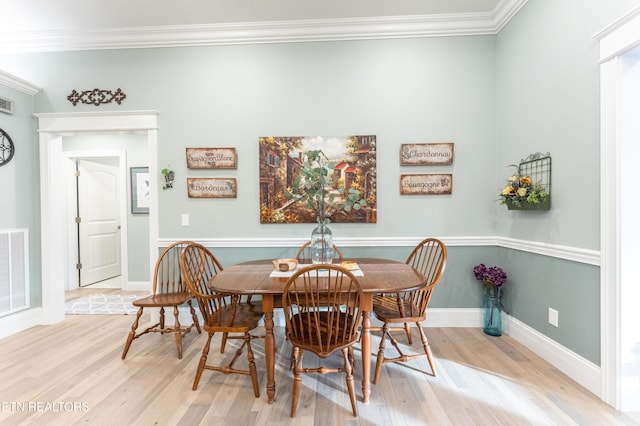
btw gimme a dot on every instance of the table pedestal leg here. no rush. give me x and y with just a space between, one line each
269 349
366 356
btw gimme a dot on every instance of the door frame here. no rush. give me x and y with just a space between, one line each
615 41
53 205
72 237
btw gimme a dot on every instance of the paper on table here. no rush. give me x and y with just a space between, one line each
276 274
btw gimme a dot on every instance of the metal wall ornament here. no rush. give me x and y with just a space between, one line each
7 149
96 97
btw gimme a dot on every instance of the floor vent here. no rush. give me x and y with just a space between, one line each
6 106
14 271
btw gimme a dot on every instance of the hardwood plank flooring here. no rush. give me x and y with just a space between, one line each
71 373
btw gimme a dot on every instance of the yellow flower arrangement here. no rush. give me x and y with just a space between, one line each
521 189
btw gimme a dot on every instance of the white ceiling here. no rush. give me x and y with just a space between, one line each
45 25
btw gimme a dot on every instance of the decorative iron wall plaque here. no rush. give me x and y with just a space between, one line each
426 154
212 158
351 164
212 188
426 184
96 97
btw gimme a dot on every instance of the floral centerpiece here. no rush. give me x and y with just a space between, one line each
521 190
493 278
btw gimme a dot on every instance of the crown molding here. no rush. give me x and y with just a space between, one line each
295 31
17 83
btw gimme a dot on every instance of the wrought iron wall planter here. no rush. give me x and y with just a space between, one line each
525 205
534 174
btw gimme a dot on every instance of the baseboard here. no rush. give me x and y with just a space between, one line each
20 321
440 317
583 371
138 286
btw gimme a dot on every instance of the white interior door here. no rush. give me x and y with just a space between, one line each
99 223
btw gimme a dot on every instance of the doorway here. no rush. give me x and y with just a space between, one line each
98 219
52 128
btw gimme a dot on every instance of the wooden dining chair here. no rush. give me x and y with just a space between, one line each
429 257
304 253
322 307
221 313
169 291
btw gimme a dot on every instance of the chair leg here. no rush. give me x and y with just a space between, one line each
162 320
194 317
203 361
352 358
380 358
294 356
427 348
178 331
297 383
348 369
223 343
407 329
253 371
132 333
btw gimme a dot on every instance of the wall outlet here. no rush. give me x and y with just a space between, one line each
553 317
185 220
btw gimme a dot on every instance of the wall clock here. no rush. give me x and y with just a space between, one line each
6 148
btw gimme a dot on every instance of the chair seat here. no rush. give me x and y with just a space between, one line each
386 309
242 318
163 299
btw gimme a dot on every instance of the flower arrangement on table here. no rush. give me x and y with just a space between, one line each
521 189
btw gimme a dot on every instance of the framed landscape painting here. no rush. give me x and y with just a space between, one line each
351 169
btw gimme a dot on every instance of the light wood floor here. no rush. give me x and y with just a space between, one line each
71 373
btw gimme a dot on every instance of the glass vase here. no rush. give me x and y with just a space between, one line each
321 245
492 312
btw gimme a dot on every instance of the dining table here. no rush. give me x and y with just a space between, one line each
260 278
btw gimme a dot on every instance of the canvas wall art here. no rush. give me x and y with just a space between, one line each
351 169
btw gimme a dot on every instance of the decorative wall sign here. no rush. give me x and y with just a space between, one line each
426 154
140 190
350 164
212 158
6 148
212 188
96 97
426 184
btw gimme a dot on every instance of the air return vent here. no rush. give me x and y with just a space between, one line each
6 106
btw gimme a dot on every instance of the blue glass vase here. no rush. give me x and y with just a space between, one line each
492 305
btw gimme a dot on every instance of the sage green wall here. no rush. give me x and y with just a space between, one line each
548 100
403 91
19 180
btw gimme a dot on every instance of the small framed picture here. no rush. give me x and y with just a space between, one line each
140 190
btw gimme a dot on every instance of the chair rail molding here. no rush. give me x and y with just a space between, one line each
576 254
